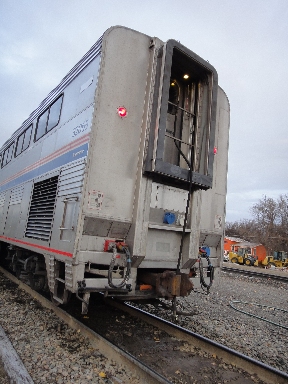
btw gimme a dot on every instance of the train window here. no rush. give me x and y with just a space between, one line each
49 119
181 146
23 141
19 145
7 155
54 114
27 138
41 125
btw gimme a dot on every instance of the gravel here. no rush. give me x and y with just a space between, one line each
217 320
53 353
49 349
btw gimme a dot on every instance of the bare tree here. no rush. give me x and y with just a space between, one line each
265 216
282 215
244 229
268 227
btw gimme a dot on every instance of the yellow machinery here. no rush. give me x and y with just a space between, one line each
243 256
279 259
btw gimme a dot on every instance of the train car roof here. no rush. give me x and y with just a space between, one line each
93 52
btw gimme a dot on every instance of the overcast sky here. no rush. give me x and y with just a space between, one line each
245 40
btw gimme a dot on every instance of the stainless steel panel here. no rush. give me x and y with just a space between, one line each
94 226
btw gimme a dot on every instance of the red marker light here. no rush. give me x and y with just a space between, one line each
122 111
215 150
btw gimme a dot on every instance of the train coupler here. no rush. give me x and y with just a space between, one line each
168 284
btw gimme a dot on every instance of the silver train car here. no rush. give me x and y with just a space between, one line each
118 178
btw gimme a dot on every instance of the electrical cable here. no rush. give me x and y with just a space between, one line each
258 317
210 268
112 264
189 164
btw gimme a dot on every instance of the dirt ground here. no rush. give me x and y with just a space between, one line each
174 359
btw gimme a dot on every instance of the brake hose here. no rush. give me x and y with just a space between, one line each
112 264
210 268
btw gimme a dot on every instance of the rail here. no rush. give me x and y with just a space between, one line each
265 372
97 341
253 367
264 274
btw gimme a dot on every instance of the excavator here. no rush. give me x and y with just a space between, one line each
243 256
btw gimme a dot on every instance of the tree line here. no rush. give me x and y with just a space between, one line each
269 225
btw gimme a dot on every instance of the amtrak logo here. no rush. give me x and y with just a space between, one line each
78 153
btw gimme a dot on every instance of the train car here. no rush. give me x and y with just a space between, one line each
119 176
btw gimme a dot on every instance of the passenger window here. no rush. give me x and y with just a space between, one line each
27 138
49 119
41 126
7 155
19 145
23 141
54 114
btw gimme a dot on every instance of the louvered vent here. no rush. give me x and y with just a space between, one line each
2 198
16 195
42 209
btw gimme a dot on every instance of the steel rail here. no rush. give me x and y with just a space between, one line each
108 349
265 372
268 374
255 274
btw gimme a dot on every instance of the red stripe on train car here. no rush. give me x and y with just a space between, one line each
38 246
74 144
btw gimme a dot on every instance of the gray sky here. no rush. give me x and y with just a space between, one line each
245 40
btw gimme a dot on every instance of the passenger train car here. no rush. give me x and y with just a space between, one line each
119 176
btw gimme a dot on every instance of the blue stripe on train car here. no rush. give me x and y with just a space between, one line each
74 154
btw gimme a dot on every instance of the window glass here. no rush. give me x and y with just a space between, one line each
41 126
23 141
27 138
4 158
54 114
7 156
49 119
19 144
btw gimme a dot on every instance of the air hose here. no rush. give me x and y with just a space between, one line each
210 269
259 317
112 264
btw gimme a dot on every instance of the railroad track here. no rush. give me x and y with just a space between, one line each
213 356
229 356
112 352
248 271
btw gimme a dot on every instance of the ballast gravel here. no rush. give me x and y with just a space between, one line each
263 336
53 353
49 349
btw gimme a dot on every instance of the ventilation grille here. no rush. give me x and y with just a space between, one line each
42 209
16 195
71 179
2 198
